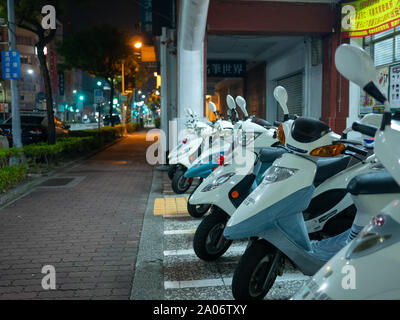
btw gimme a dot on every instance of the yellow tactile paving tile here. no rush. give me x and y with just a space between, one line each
170 206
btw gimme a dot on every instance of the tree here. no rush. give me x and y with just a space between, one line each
28 15
101 51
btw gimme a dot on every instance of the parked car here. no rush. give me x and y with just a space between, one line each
115 120
34 127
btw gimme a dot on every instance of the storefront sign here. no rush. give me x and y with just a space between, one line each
368 17
226 69
394 87
61 83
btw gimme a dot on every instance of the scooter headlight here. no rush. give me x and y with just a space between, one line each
218 182
277 174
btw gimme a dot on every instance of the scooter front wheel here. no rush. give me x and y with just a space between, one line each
199 210
180 184
209 244
256 272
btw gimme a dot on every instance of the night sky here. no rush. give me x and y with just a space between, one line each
121 13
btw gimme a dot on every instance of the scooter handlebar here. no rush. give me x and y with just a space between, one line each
366 129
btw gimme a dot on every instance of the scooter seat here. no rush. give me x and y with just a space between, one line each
269 155
328 168
380 182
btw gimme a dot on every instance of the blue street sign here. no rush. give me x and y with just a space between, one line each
11 65
98 96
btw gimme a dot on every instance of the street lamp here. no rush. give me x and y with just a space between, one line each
138 44
99 83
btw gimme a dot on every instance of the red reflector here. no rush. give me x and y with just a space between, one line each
235 194
185 141
221 161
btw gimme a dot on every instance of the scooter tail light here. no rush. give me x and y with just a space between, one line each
329 151
378 221
185 141
221 161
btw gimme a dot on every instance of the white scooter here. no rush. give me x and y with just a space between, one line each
273 216
368 267
192 137
227 187
193 150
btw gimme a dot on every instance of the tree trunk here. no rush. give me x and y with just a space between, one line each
51 130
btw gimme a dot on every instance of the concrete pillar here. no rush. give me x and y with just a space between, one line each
191 32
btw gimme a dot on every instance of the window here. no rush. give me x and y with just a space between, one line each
384 47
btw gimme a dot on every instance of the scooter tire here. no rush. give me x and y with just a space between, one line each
180 184
171 171
197 211
256 263
215 222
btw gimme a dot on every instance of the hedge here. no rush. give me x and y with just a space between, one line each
11 176
43 153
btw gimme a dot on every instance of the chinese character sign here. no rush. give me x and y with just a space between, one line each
364 18
11 64
226 69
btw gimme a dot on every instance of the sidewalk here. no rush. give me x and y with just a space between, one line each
86 223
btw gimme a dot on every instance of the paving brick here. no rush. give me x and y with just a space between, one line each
90 233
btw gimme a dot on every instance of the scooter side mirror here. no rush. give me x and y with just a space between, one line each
357 66
281 96
241 102
230 102
212 107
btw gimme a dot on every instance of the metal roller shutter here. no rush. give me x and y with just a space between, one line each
294 87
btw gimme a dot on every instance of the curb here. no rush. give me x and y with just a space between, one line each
148 281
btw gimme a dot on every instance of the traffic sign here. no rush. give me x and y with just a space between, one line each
98 96
11 64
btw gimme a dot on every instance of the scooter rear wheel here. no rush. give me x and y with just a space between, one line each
171 172
256 272
180 184
209 243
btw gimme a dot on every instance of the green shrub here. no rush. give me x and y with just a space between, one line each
157 123
10 176
6 154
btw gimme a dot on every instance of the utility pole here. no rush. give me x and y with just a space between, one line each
16 118
123 100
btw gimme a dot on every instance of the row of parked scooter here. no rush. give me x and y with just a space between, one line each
299 193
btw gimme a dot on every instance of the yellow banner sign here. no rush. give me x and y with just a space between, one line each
368 17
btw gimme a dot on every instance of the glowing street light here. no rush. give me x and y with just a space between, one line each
99 83
30 71
82 98
138 45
